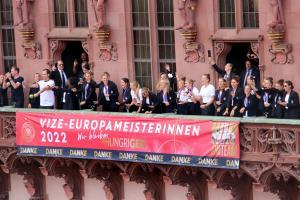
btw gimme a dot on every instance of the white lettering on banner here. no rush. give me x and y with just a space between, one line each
122 126
28 150
52 123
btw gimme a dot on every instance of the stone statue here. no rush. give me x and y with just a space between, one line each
29 185
190 196
149 195
99 10
277 14
108 193
24 11
68 191
187 9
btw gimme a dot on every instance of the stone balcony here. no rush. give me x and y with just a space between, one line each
270 162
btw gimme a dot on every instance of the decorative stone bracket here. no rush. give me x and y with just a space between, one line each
194 51
280 49
32 49
108 49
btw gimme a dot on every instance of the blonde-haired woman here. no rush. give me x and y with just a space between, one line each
166 97
137 97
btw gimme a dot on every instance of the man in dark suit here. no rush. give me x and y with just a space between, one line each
249 71
60 79
225 73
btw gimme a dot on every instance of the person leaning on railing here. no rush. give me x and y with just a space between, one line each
290 101
149 102
135 105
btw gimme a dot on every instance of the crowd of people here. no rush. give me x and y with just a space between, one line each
235 95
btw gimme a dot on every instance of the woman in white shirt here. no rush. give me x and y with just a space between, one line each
137 97
206 96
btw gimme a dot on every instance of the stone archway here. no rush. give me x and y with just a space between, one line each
223 48
57 46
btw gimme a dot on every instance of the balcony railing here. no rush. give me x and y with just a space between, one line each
270 161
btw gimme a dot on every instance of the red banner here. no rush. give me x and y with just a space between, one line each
139 139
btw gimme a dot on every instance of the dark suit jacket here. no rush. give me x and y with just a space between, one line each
277 110
291 110
71 100
91 94
171 96
223 99
152 102
112 91
270 95
249 105
255 73
56 77
222 72
126 96
235 101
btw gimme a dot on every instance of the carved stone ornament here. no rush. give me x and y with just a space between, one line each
32 48
108 51
194 52
281 53
279 49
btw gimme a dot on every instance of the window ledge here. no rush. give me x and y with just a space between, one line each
67 34
235 35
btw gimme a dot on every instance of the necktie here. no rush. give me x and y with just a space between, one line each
124 92
266 97
86 91
63 80
247 74
246 102
165 98
220 95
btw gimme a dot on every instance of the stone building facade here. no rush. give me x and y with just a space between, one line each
135 38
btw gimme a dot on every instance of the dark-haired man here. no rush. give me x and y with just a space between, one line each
249 71
60 78
15 81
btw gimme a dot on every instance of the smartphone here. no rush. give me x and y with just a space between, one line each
209 53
